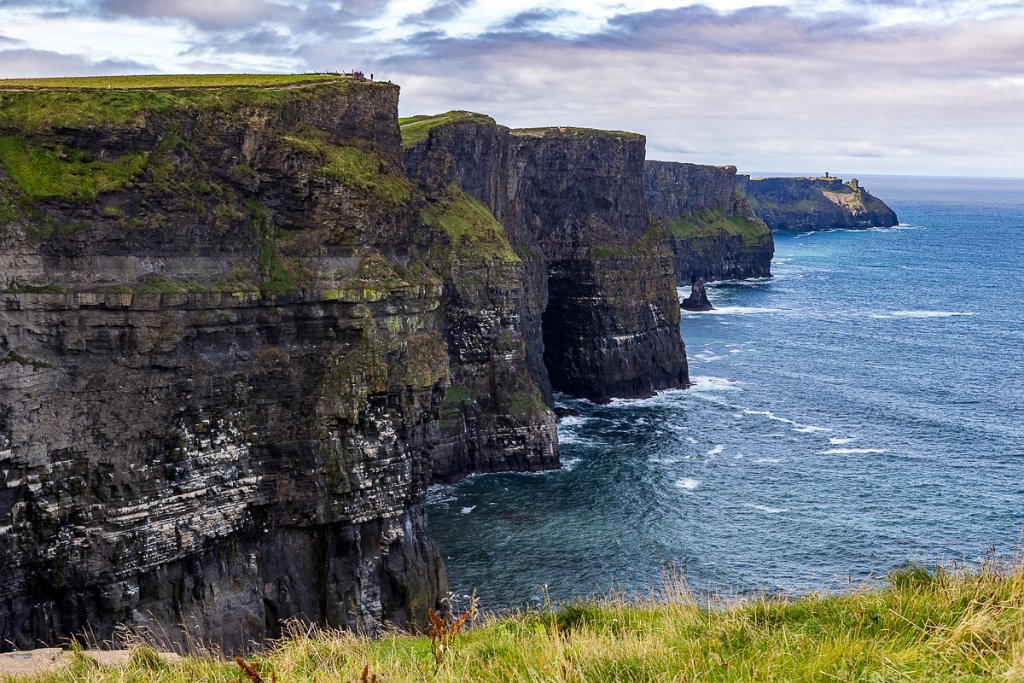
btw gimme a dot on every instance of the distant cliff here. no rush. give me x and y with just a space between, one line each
243 328
713 233
815 204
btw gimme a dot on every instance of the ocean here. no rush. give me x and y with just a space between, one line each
860 410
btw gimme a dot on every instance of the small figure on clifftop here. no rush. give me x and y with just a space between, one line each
698 299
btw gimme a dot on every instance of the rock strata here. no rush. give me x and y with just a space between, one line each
712 231
242 330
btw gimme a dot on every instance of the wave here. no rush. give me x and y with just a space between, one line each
768 461
717 450
765 509
467 510
705 383
854 451
925 314
736 310
797 426
688 484
839 440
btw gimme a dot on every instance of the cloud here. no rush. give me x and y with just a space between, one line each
440 11
532 19
206 14
29 63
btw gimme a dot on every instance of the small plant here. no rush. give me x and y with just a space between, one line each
443 631
250 672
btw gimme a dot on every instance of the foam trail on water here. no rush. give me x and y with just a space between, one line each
765 509
854 451
688 484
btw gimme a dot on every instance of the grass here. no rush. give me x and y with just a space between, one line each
59 172
576 133
151 82
715 223
940 625
355 168
42 105
415 129
474 233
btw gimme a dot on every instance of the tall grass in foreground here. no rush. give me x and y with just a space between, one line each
947 624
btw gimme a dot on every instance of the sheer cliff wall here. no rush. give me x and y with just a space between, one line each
712 230
815 204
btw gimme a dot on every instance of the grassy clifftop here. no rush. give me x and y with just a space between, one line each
944 625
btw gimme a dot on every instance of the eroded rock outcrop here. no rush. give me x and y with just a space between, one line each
815 204
713 233
698 299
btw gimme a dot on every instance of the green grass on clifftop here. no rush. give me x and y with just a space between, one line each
415 129
170 81
944 625
715 223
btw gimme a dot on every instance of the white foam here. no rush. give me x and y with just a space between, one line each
797 426
735 351
765 509
688 484
837 440
854 451
716 450
768 461
467 510
691 439
569 464
571 421
738 310
706 356
705 384
928 314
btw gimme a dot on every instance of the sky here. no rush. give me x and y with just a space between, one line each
845 86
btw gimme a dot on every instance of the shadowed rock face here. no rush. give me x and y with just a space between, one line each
598 314
698 299
221 381
815 204
713 233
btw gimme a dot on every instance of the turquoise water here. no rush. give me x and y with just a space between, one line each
862 409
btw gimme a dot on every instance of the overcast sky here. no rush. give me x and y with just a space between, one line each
847 86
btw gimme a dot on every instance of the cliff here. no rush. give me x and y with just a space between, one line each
815 204
713 233
221 372
238 341
599 313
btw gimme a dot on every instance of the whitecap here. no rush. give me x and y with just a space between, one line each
837 440
704 383
688 484
467 510
797 426
765 509
569 464
768 461
854 451
691 439
738 310
716 450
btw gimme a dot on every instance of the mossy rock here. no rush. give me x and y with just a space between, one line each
715 223
470 228
416 129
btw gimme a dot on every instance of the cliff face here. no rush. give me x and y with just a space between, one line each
815 204
712 230
598 315
221 375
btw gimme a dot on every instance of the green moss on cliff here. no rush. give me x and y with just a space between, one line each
357 169
713 223
415 129
455 399
474 233
59 172
278 275
572 132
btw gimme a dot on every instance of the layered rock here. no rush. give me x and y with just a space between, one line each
598 274
713 233
221 375
815 204
698 299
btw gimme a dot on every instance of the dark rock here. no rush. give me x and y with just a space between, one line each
698 299
562 411
713 233
815 204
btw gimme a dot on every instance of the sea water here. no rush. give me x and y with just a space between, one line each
862 409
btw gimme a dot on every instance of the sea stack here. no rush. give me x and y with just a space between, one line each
698 299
